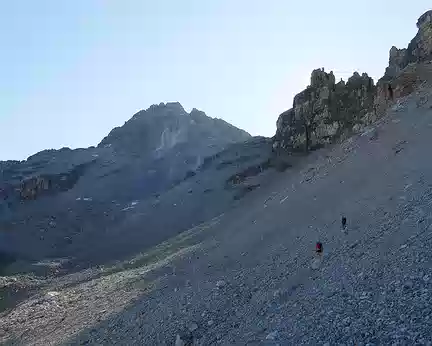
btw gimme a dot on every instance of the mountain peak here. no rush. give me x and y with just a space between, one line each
425 18
150 129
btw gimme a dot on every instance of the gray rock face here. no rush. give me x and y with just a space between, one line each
419 49
396 61
408 68
324 111
161 128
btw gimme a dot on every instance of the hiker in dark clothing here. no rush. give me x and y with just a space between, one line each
390 92
344 227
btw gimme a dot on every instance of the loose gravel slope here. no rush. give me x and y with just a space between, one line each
248 277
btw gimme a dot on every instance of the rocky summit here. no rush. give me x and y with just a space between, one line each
179 229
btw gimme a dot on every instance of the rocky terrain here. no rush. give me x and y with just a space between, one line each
221 251
61 203
326 111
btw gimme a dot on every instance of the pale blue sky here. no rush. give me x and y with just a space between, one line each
72 70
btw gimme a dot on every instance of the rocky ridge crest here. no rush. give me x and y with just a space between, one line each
326 111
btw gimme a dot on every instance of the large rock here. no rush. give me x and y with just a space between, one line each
419 49
33 187
324 111
408 67
396 61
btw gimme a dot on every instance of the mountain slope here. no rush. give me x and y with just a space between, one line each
62 203
246 277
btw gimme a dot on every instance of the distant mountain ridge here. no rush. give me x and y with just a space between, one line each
153 149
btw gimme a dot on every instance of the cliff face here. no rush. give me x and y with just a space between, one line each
408 67
420 47
326 110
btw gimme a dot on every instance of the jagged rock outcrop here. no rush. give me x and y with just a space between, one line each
419 49
408 67
46 173
34 187
396 61
324 111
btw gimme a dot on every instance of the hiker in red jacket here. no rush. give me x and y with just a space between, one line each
316 262
319 248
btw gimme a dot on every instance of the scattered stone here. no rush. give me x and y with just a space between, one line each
53 294
373 135
353 245
193 327
408 284
399 146
277 293
316 263
220 284
272 336
184 339
179 341
399 106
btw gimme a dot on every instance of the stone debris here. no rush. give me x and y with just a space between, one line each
220 284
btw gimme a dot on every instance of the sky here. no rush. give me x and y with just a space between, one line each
70 71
